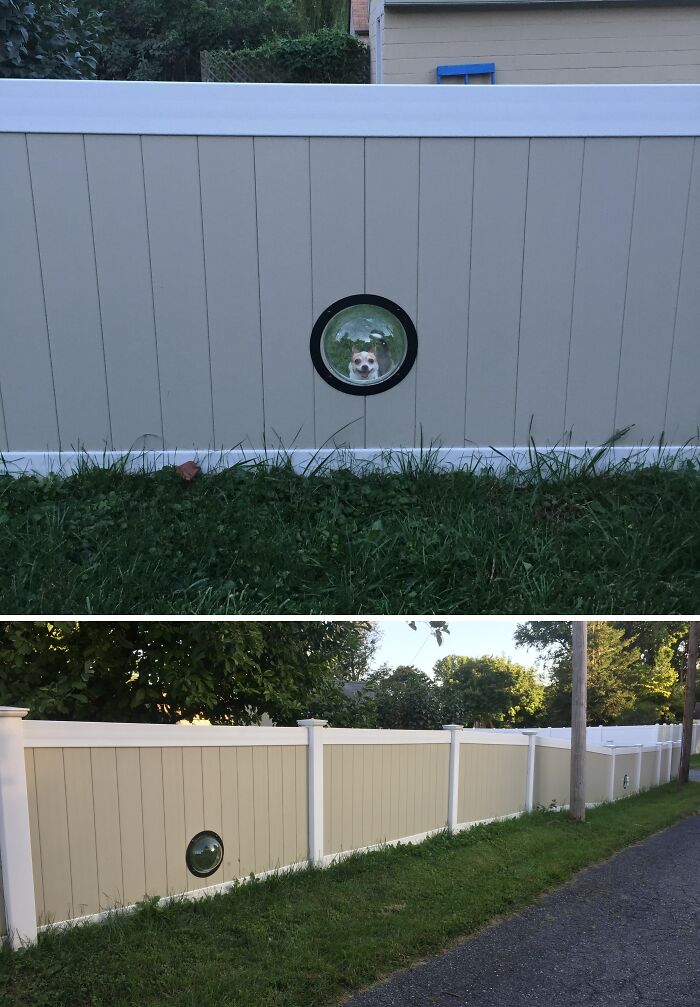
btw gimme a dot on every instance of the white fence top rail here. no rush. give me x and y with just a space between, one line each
68 734
157 107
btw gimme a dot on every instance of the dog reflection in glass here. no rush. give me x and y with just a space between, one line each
373 363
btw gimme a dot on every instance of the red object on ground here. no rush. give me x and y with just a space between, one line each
188 470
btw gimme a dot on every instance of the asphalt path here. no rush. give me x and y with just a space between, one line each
624 933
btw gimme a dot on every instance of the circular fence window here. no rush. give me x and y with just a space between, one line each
363 344
205 851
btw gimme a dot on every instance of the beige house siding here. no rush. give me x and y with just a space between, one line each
576 46
110 825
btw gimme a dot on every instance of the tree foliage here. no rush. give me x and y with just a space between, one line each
164 672
162 39
488 691
633 669
48 39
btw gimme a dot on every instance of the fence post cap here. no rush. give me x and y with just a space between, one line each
611 744
530 731
14 711
312 723
453 727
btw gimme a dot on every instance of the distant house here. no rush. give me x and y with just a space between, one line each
359 18
540 42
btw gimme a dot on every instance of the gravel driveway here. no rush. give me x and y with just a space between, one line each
624 933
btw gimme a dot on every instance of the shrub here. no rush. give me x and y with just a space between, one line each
327 56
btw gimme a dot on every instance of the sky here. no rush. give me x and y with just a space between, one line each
467 638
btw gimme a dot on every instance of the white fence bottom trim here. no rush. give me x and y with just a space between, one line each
308 460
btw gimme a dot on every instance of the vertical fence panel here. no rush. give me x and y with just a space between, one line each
62 206
290 852
26 382
391 228
683 405
154 844
261 809
35 835
211 796
109 836
118 206
551 230
53 832
174 813
338 255
607 198
302 809
231 826
193 799
133 855
227 171
661 201
274 773
498 228
177 262
445 216
284 242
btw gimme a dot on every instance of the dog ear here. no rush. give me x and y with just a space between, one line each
354 350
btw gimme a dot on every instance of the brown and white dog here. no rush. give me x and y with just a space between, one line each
364 365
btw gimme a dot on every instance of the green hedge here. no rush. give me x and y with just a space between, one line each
327 56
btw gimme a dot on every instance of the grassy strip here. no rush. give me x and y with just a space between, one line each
308 939
269 541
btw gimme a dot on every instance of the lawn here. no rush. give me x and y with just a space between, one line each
308 939
265 540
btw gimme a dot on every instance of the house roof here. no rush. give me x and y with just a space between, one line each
359 17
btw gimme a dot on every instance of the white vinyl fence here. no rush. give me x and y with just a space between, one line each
173 246
94 817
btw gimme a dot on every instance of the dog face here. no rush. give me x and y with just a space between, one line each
364 365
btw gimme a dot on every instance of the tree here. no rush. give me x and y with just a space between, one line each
488 691
162 39
353 663
49 39
632 672
163 672
405 698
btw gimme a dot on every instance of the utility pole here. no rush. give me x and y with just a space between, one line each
689 705
579 670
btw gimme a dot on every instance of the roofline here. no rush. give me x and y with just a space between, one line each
541 4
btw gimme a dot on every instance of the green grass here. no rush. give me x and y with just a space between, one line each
308 939
266 541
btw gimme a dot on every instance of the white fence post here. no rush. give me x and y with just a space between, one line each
531 734
314 730
453 785
15 839
669 745
611 783
659 749
638 770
